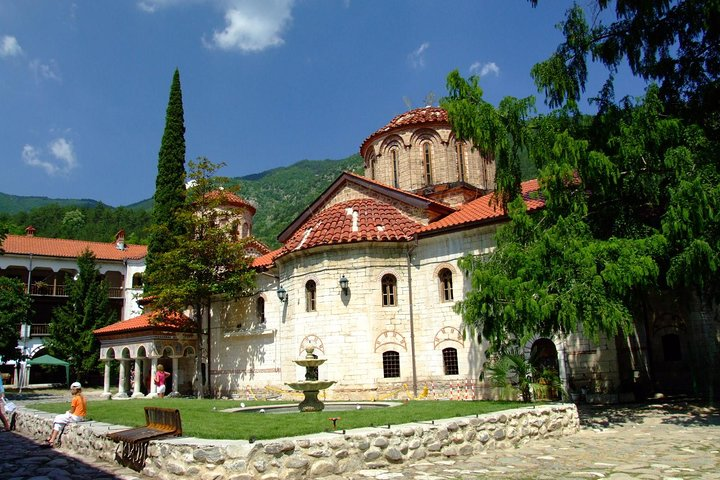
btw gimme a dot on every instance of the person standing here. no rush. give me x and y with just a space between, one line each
3 418
77 413
160 379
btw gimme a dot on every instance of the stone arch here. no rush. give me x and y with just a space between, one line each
386 271
440 266
389 142
188 352
448 334
125 353
387 339
141 352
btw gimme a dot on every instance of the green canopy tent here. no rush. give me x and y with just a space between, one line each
50 360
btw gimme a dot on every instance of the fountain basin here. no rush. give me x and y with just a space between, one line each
329 407
310 385
310 362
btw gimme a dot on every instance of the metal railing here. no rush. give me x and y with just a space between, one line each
61 291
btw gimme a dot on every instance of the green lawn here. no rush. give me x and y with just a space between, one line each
203 419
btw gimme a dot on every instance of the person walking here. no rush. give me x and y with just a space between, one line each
77 413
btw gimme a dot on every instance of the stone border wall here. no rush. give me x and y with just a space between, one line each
320 454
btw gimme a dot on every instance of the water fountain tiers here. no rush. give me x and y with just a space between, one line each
311 386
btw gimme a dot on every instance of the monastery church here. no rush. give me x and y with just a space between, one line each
368 275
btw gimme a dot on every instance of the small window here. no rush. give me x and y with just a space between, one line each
391 364
371 162
310 298
389 290
450 361
446 286
245 230
396 170
260 309
137 280
460 152
427 163
671 348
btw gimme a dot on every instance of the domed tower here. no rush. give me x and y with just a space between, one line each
418 152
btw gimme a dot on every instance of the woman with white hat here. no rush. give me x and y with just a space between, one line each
77 412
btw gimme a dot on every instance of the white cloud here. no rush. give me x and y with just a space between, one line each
250 25
253 25
45 71
62 157
417 58
483 69
9 47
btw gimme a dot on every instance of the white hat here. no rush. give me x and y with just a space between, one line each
75 385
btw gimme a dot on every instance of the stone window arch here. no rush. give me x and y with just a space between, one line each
388 285
427 153
446 285
395 166
137 280
450 361
391 364
460 159
310 296
260 309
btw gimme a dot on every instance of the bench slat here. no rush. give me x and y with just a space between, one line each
160 422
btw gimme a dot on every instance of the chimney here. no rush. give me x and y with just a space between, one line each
30 231
120 240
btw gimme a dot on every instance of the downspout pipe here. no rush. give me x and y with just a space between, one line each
412 319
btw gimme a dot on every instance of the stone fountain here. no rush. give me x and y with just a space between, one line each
311 386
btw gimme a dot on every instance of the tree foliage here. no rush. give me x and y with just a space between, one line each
15 309
631 192
169 183
87 309
207 262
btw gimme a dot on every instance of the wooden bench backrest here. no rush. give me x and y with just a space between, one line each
166 419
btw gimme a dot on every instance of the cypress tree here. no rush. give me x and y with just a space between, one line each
170 181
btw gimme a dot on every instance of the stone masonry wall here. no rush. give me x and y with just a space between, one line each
319 455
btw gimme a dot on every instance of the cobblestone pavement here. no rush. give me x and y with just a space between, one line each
659 441
664 441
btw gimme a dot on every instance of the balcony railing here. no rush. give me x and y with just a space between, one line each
39 330
61 291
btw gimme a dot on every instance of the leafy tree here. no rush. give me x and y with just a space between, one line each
631 192
206 263
15 308
169 183
87 309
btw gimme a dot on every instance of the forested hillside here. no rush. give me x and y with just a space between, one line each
280 195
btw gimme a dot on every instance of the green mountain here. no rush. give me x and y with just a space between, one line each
280 195
14 203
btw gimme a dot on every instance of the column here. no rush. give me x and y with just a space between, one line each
153 370
136 383
106 381
121 380
175 377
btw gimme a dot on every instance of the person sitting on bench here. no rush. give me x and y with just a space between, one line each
77 412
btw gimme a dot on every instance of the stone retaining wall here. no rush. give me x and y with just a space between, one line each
320 454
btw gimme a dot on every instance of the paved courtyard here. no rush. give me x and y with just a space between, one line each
673 440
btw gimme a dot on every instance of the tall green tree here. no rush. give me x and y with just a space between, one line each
631 192
169 183
15 309
207 263
87 309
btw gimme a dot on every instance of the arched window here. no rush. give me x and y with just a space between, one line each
371 163
427 162
137 280
260 309
396 170
450 361
245 230
389 290
310 298
446 286
460 153
391 364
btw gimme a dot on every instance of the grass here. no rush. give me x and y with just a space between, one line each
203 419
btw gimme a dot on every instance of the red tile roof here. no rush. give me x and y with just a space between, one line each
418 116
268 259
148 321
56 247
229 198
362 219
480 210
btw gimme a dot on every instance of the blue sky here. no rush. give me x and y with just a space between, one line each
84 84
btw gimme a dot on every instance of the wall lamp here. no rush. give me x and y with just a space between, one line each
282 294
344 284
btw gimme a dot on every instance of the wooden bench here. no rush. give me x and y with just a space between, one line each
159 422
